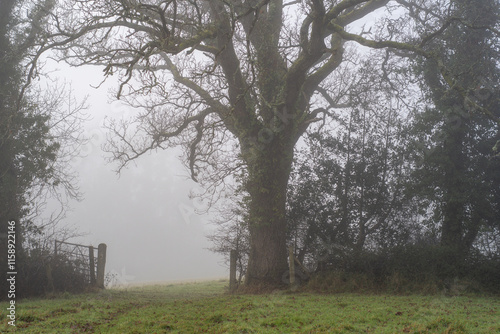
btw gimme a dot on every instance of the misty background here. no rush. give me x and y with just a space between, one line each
145 215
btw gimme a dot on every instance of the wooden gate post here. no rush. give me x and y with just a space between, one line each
92 266
50 280
232 270
101 263
292 265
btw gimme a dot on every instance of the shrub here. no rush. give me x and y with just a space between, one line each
417 268
34 269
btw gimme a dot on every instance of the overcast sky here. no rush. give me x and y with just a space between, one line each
144 215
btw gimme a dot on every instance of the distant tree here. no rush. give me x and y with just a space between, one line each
233 82
231 232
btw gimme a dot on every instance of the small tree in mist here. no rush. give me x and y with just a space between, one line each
232 234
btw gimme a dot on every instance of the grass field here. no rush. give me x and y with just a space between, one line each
206 308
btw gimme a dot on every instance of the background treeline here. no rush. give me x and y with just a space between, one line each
400 190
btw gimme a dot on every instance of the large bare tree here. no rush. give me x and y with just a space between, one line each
234 82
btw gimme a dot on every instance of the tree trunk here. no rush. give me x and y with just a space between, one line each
269 169
455 202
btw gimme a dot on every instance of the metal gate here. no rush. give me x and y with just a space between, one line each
87 260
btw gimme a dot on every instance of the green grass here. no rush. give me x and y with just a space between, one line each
205 308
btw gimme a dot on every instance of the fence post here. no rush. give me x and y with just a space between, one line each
292 265
232 270
50 280
101 263
92 266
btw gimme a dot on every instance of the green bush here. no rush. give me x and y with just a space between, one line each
417 268
33 275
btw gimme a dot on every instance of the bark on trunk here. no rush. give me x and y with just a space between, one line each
269 170
454 176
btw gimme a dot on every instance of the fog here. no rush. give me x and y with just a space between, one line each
144 215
